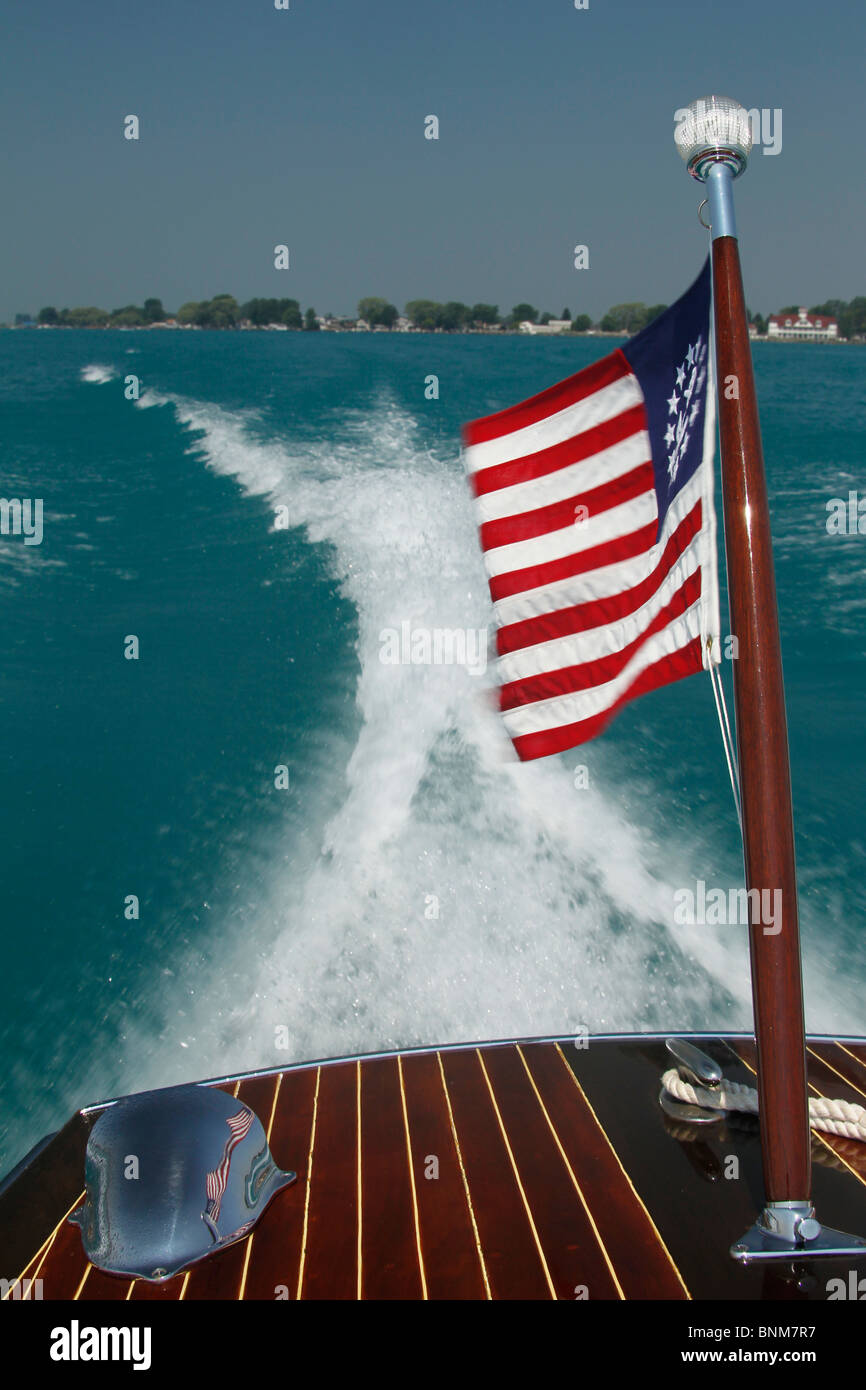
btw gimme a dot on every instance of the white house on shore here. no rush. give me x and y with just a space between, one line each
553 326
804 327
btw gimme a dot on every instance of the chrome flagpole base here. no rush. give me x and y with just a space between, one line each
788 1230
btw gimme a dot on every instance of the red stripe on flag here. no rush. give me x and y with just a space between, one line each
551 571
551 685
685 662
574 450
575 388
582 617
525 526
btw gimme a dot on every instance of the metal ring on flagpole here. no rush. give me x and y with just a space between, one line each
708 225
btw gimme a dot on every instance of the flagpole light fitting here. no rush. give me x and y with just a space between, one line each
713 130
714 137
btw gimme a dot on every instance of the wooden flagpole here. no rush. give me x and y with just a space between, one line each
713 135
762 746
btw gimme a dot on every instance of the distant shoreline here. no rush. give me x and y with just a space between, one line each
281 328
839 320
498 332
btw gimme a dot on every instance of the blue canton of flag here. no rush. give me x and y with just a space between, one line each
670 359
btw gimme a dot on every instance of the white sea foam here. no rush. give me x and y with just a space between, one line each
455 894
97 374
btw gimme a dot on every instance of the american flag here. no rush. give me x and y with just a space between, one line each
239 1125
595 505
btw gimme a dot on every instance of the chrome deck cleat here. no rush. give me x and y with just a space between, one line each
700 1070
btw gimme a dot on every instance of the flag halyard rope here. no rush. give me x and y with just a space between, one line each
725 730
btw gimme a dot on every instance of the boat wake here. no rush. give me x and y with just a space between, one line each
97 375
454 894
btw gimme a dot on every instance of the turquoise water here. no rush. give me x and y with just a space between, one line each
411 884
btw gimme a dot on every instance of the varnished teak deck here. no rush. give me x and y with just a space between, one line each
509 1171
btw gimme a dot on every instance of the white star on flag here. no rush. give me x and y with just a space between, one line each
677 436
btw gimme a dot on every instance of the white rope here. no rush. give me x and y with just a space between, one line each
721 686
833 1116
725 730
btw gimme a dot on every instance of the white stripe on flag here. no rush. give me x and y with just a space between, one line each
604 467
603 582
574 708
585 414
578 648
571 540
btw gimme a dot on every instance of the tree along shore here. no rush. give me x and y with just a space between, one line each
420 315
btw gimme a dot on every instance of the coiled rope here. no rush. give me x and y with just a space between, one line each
832 1116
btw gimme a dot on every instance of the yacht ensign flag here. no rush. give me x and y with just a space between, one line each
595 505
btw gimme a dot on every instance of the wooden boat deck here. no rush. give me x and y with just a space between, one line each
535 1170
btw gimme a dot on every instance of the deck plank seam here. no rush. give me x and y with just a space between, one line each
852 1055
303 1255
415 1212
43 1250
463 1174
823 1060
573 1176
252 1234
625 1173
517 1178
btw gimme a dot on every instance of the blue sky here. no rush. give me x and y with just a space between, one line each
306 127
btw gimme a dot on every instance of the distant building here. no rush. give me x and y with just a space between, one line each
553 326
804 327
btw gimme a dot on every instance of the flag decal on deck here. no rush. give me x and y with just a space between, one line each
596 516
